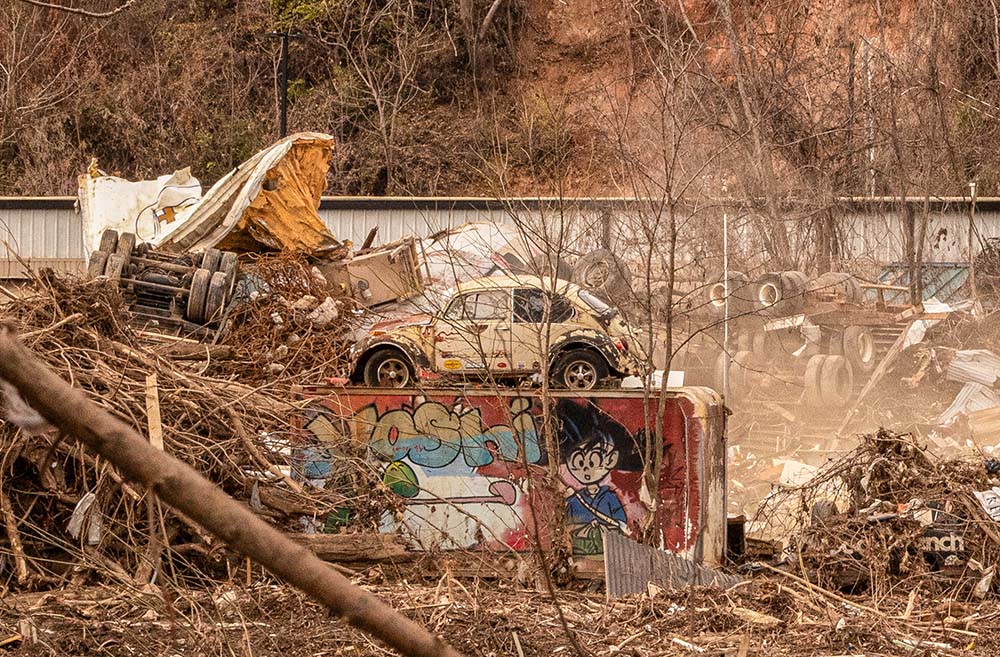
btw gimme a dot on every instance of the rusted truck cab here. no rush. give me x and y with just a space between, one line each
504 469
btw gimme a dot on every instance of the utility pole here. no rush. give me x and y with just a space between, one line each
972 252
284 36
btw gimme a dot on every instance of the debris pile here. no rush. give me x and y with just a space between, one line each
288 323
890 518
69 518
943 386
781 616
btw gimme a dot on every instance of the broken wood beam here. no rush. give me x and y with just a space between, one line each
183 488
354 548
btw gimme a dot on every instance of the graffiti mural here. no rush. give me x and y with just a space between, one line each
460 475
462 465
433 435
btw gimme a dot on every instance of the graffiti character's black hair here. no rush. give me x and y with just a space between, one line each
584 426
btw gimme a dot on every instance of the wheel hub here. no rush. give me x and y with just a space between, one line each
580 375
394 373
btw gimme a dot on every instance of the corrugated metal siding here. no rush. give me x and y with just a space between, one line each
46 237
49 230
630 567
879 236
395 223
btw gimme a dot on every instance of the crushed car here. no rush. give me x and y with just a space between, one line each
502 328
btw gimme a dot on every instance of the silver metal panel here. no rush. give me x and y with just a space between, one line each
971 398
51 237
630 567
974 365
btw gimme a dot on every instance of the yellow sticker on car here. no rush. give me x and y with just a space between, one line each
452 364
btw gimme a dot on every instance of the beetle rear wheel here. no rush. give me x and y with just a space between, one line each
579 369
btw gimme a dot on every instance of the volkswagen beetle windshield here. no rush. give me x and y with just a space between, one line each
601 309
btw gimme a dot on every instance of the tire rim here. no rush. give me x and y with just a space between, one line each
768 295
393 373
597 274
717 295
580 375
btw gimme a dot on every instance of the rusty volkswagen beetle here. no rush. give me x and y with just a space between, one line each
502 328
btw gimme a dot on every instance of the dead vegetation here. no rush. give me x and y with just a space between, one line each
271 334
71 520
889 520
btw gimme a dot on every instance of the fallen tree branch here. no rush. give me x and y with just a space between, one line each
14 536
180 486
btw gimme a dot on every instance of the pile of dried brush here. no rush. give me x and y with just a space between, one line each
68 516
891 518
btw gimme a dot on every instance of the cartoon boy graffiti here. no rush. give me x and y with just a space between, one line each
591 444
595 505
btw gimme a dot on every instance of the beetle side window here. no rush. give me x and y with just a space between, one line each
456 309
490 305
481 306
529 307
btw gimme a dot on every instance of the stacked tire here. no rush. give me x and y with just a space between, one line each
111 257
212 286
603 273
858 346
828 381
835 285
741 373
780 293
735 287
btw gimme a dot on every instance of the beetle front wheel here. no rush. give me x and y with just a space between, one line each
388 368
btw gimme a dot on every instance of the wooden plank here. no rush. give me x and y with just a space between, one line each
985 423
153 412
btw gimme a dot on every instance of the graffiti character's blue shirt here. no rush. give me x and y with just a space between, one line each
581 506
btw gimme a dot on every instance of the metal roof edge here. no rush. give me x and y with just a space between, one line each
37 202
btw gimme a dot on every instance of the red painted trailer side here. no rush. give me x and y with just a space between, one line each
472 466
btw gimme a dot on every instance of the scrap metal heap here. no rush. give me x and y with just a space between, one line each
184 271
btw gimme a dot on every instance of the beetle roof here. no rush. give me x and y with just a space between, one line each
507 281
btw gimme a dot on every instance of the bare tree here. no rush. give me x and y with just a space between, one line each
42 65
379 48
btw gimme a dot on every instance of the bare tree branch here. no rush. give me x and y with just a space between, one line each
489 19
79 11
